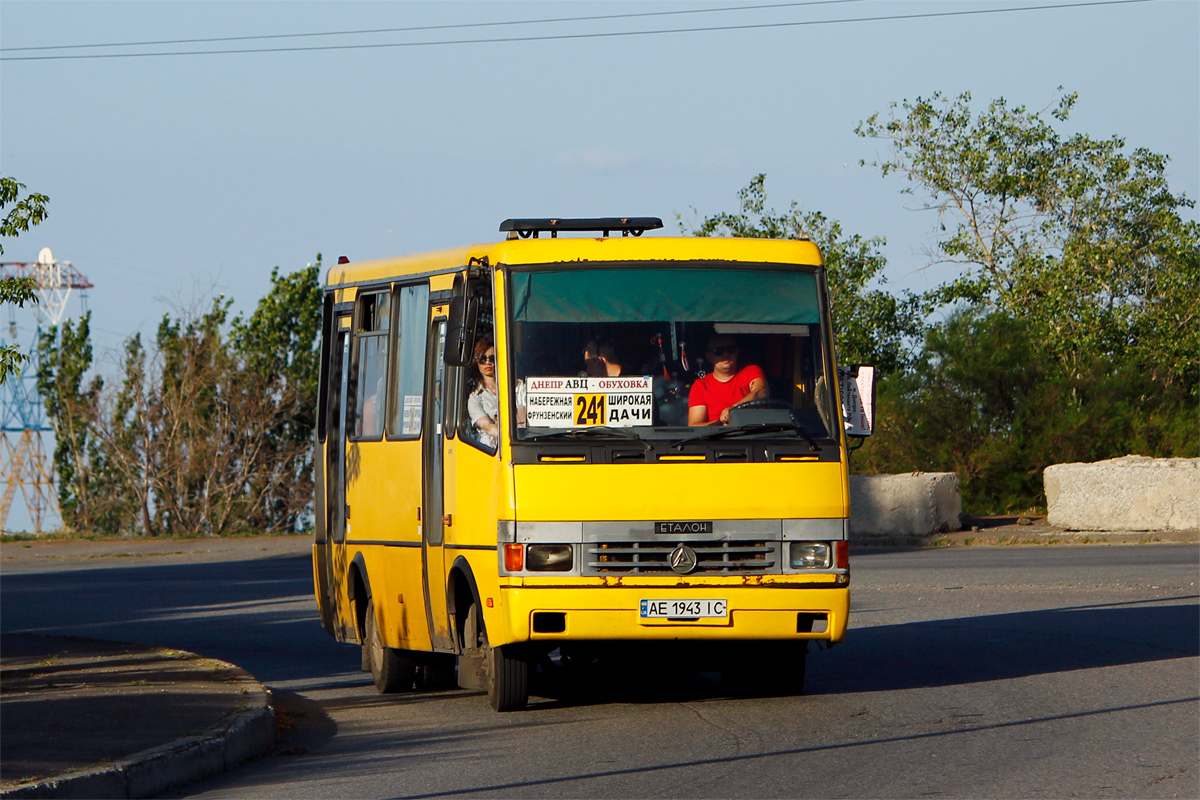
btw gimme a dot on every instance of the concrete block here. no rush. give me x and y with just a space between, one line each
913 504
1132 493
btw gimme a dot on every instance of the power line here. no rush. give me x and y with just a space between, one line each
434 27
576 36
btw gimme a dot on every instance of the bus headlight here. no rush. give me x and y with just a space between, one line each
809 555
548 558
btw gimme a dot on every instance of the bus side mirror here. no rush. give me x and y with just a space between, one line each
857 384
460 331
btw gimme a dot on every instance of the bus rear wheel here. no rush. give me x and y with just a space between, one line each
391 670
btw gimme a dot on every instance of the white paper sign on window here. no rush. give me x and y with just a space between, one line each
411 421
858 399
584 402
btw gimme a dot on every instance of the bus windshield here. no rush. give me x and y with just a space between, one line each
656 351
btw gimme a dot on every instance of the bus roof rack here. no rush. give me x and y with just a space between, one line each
628 226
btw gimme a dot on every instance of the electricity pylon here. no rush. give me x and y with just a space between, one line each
23 462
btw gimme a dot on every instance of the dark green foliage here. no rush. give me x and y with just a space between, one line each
24 214
17 291
1071 233
279 345
1076 322
987 402
1077 328
85 484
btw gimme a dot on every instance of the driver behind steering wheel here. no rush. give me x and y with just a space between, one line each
726 386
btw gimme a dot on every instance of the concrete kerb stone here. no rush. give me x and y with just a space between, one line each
1132 493
238 737
909 505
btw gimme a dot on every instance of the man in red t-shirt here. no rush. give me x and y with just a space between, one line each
712 395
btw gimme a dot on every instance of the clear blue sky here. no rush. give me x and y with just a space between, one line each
172 178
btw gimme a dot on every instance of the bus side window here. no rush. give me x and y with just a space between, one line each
479 404
474 402
408 369
370 390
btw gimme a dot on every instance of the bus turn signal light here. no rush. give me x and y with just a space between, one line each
514 557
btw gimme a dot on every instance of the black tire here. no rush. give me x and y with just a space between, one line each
505 669
391 670
366 649
508 678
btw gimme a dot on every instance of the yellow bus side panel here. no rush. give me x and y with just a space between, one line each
395 574
474 495
383 490
680 491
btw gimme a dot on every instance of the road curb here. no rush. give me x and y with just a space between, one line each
238 737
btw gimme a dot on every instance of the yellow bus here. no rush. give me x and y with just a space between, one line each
539 451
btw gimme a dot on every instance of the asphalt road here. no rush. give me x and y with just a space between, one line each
968 672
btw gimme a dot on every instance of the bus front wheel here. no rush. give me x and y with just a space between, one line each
391 670
505 669
507 678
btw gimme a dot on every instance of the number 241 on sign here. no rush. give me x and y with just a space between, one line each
589 409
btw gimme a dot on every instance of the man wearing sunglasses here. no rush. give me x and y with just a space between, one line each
713 395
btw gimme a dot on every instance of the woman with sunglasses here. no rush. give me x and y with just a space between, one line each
483 404
713 395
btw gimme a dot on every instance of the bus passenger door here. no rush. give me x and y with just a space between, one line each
331 551
433 525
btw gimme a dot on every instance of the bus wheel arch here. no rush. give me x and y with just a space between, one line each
358 588
461 593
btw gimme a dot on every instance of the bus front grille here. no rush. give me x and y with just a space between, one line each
654 558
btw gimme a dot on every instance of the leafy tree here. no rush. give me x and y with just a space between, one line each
18 291
1075 325
72 407
279 345
1072 233
206 432
24 214
871 325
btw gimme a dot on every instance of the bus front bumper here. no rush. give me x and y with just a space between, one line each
759 613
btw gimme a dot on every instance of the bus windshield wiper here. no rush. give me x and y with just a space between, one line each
749 430
597 431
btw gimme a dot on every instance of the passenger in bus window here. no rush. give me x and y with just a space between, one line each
712 396
372 392
483 404
370 421
600 358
